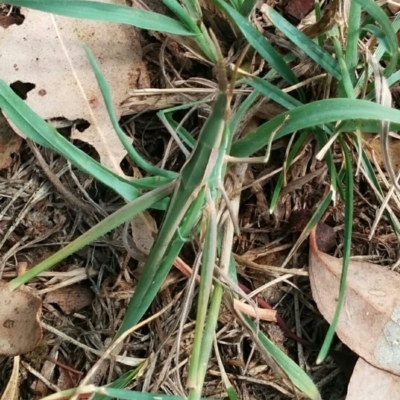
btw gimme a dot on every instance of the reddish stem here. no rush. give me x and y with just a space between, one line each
286 330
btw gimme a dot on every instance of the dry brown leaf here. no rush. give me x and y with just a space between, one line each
374 148
47 371
70 298
370 320
41 62
394 6
368 382
9 143
299 8
20 330
144 230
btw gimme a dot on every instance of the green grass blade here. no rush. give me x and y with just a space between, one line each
273 92
120 383
207 274
194 9
194 24
379 52
292 153
346 85
97 11
115 393
131 395
299 378
209 334
370 172
303 42
166 116
365 126
163 254
258 41
124 214
241 112
311 115
379 16
183 15
316 217
35 128
348 227
106 93
247 7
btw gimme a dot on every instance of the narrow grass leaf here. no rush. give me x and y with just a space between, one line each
107 12
371 175
379 52
183 15
346 85
379 16
120 383
292 153
194 9
319 212
311 115
111 222
207 274
106 93
299 378
258 41
303 42
348 228
247 7
131 395
34 127
353 33
273 92
242 111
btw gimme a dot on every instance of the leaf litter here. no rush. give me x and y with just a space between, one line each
41 65
230 335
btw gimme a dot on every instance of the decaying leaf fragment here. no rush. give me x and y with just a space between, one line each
42 72
70 298
9 143
20 330
370 320
368 382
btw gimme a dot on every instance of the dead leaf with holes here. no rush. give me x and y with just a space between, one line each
32 58
20 330
369 323
368 382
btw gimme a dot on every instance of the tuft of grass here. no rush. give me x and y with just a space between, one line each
192 197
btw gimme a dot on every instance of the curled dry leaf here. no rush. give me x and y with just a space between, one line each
20 330
370 320
41 69
368 382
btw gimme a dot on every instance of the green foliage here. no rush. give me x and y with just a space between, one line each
191 195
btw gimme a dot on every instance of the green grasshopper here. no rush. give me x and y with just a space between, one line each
198 176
